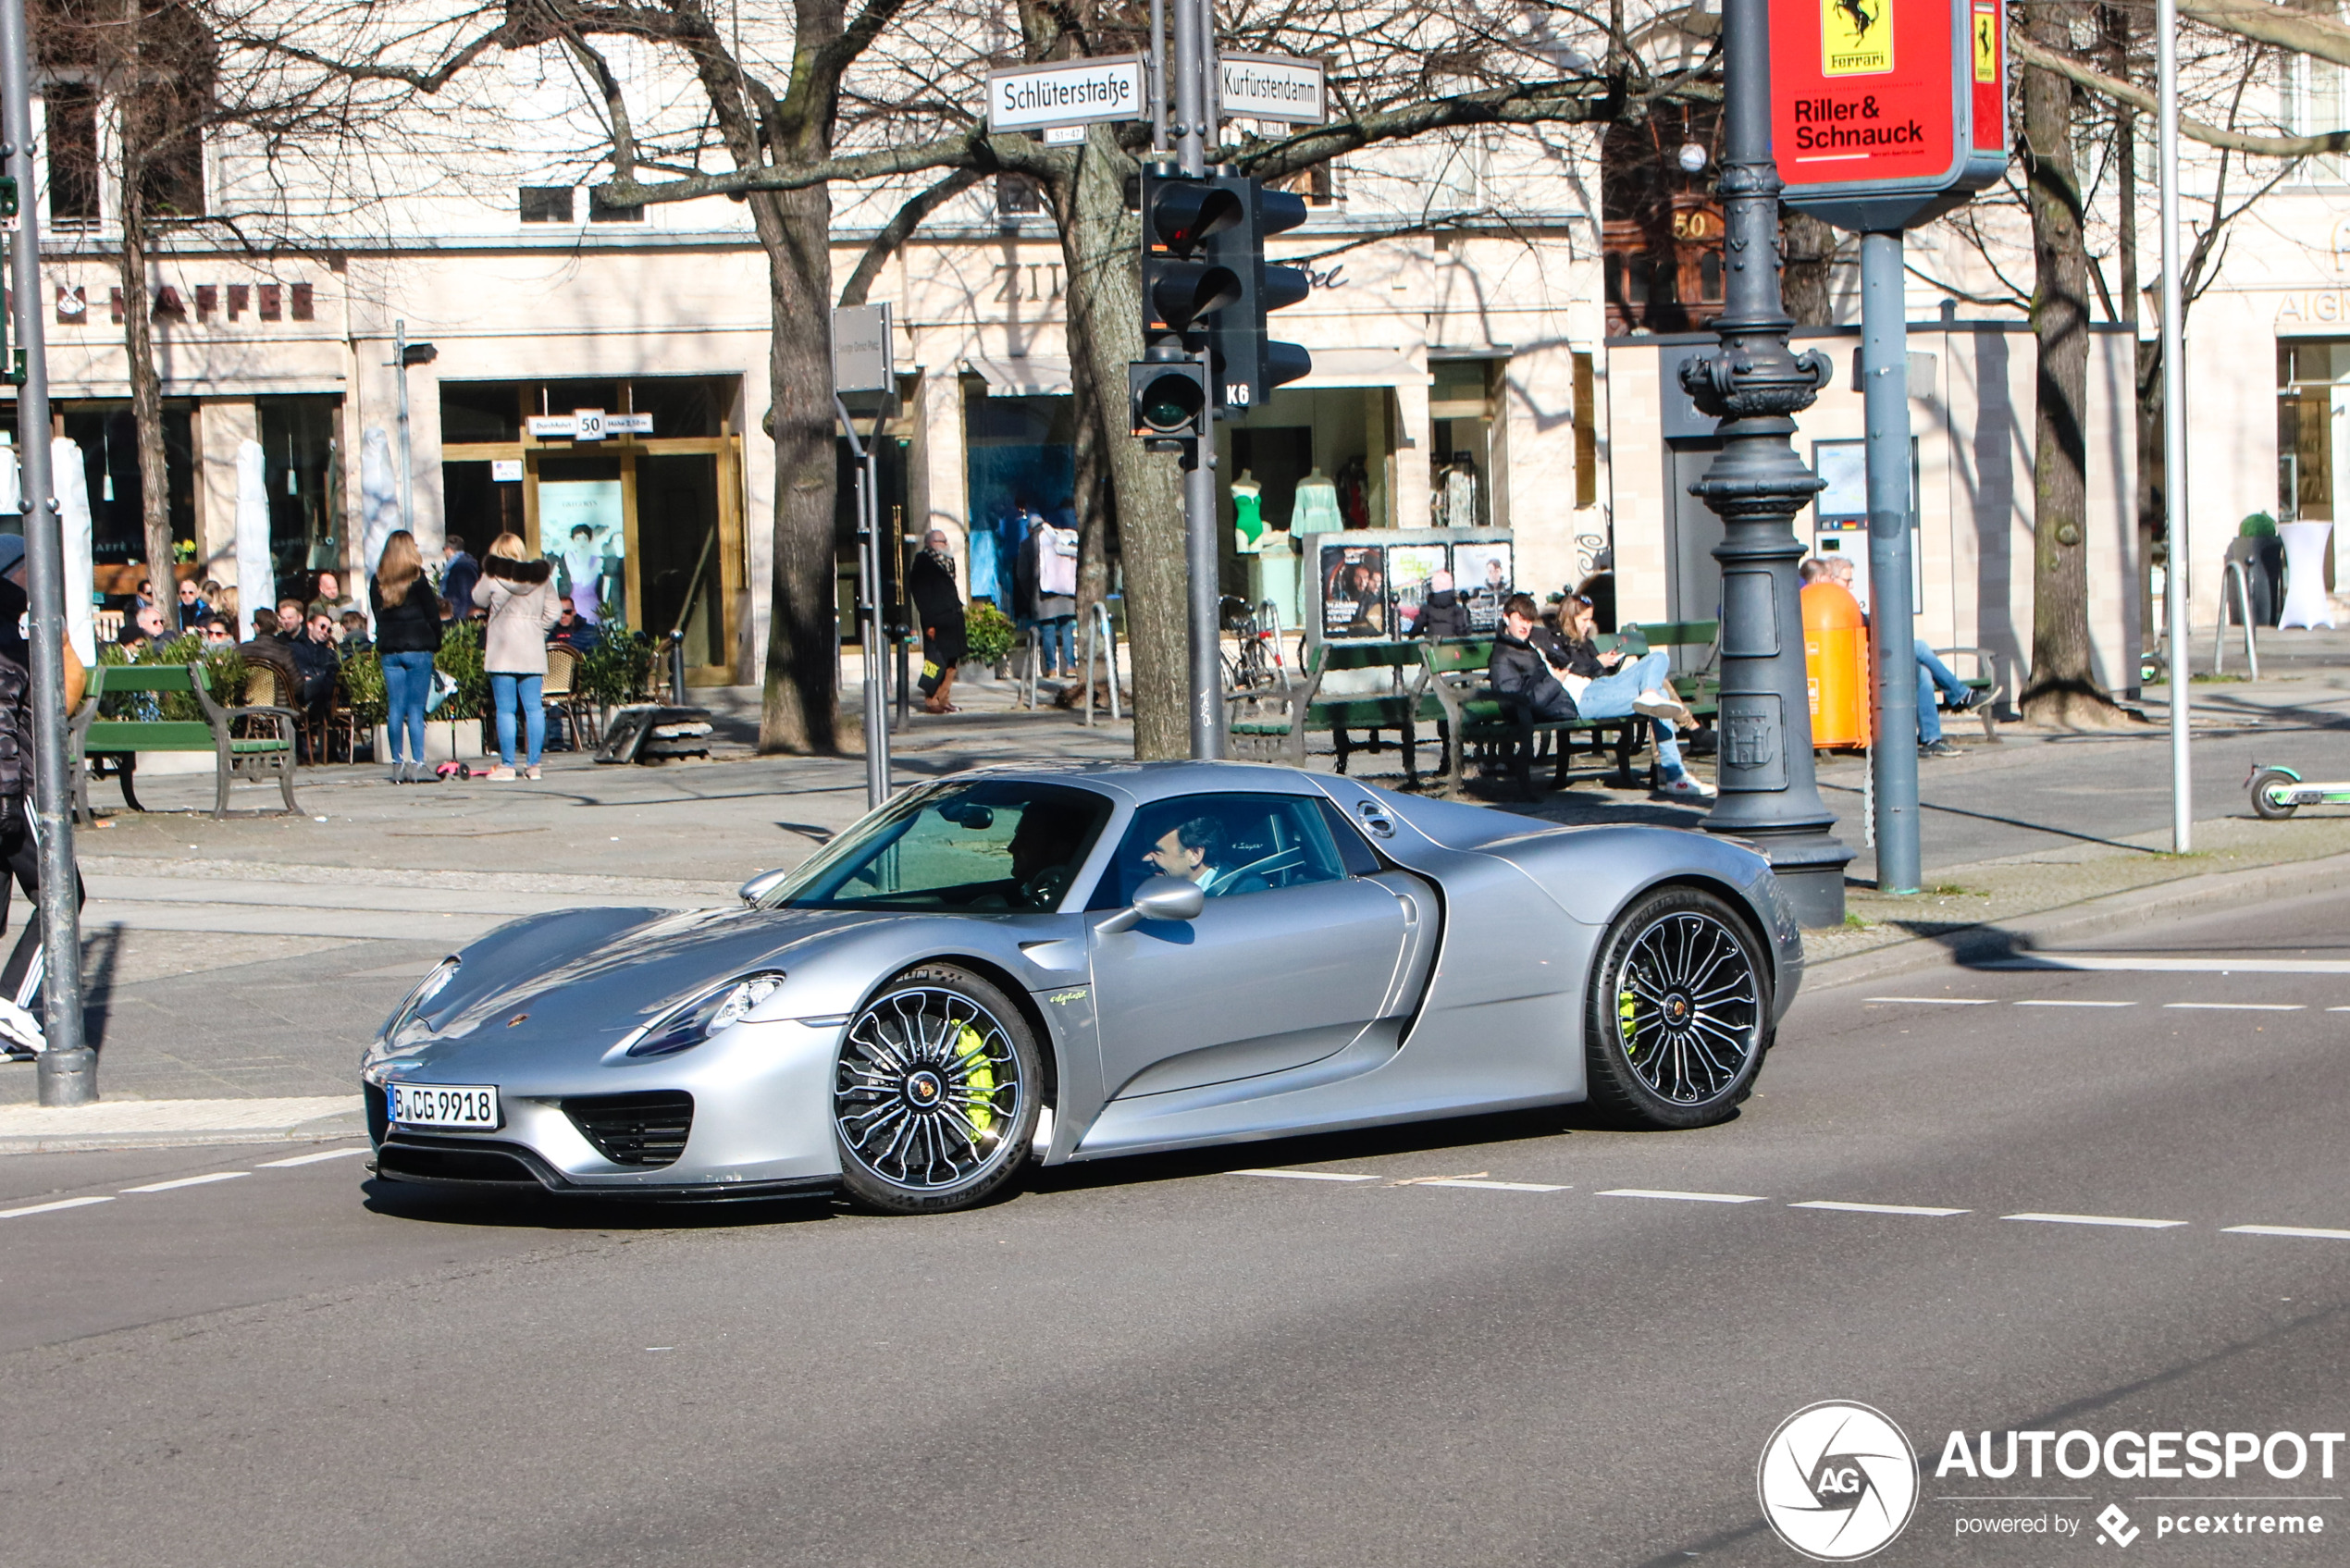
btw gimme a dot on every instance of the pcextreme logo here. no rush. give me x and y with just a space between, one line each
1837 1481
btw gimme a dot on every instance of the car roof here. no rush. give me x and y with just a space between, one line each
1144 782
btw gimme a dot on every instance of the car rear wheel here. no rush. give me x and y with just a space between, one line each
1680 1012
935 1097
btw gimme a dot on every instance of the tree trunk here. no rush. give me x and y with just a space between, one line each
1098 240
146 383
2063 689
1807 251
2115 22
1093 487
801 709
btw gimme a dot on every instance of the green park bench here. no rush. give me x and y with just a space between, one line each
93 736
1273 726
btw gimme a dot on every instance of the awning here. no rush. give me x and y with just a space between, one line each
1022 376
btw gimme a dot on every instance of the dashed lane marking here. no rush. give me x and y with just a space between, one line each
1938 1001
1308 1175
2130 965
2311 1231
2042 1004
1495 1186
2098 1220
312 1159
1875 1208
52 1208
189 1181
1684 1197
2239 1006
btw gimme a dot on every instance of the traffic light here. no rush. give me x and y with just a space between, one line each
1185 285
1248 363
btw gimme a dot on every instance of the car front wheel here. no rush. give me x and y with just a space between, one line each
935 1094
1680 1012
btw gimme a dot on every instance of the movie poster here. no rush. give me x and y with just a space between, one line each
1354 591
1409 567
1482 574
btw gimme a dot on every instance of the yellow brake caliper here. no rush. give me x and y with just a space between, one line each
1627 1005
980 1076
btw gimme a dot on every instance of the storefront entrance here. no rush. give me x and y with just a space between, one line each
645 528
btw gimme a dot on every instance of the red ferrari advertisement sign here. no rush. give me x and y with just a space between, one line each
1886 99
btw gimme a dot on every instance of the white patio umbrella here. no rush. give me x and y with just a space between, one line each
72 482
256 573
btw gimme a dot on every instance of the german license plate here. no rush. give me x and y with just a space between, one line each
444 1105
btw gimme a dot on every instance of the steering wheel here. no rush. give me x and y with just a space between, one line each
1044 890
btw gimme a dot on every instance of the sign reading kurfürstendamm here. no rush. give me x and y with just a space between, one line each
1274 87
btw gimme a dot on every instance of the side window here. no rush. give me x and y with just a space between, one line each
1234 844
1359 859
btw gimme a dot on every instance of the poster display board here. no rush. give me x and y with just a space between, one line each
1368 589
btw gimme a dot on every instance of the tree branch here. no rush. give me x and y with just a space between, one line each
899 229
2284 26
2034 53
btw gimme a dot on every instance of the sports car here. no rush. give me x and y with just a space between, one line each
1046 964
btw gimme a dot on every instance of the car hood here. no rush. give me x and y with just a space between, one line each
589 976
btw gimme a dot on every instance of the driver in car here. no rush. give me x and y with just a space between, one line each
1043 847
1190 850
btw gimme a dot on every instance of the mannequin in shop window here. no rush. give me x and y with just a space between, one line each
1355 492
1248 513
1316 511
1460 492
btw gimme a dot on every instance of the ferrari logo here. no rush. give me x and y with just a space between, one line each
1855 37
1986 43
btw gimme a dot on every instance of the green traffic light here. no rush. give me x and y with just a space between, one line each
1172 403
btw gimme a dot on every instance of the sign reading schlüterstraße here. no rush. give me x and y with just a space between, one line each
1065 92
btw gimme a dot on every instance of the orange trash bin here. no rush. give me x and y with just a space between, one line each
1835 665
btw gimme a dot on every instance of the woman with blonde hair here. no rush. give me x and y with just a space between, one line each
520 596
407 635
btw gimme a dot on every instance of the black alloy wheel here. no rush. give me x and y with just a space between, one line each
1679 1018
936 1094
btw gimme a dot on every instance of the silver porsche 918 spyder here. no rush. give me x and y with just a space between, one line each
1069 963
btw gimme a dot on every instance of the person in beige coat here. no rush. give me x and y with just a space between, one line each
520 596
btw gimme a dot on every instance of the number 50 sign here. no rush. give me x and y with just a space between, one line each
1887 113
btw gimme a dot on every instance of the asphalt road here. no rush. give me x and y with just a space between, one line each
1188 1362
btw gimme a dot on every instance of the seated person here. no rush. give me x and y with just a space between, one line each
1547 674
216 632
1045 848
1195 851
354 634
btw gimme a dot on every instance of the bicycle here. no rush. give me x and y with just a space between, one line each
1250 667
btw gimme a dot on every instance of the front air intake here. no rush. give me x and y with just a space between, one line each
638 1129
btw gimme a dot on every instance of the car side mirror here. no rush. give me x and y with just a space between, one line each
756 890
1160 898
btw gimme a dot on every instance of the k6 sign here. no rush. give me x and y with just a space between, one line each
1887 113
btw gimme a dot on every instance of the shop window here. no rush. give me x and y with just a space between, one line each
1017 195
682 405
303 478
71 112
1021 456
480 410
2307 396
109 442
546 204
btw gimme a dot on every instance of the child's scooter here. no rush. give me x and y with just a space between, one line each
2277 792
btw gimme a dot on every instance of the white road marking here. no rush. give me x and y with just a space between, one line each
2238 1007
2076 1003
189 1181
2097 1219
311 1159
2131 965
1938 1001
2311 1231
52 1208
1307 1175
1685 1197
1875 1208
1496 1186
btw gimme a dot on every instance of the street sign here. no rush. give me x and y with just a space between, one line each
1065 92
1887 113
1275 87
863 360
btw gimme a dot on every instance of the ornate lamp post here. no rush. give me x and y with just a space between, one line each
1755 384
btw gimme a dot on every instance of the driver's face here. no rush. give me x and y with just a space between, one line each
1169 859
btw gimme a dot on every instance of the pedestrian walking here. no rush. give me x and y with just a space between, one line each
22 1035
1044 587
407 635
520 596
939 607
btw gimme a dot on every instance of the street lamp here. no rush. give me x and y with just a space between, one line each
1755 384
405 353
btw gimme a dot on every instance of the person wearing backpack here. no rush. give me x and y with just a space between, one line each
407 635
22 1035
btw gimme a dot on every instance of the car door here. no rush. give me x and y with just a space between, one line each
1292 956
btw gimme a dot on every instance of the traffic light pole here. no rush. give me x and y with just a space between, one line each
68 1068
1892 665
1194 114
1755 384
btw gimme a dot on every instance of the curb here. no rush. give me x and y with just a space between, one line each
319 1129
2089 917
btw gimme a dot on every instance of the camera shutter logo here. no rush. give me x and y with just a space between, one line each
1837 1481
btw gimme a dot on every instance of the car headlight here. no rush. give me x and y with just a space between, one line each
426 989
699 1017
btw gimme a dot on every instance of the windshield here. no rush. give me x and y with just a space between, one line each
981 845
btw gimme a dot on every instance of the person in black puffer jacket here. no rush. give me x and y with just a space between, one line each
1441 613
408 627
21 1034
